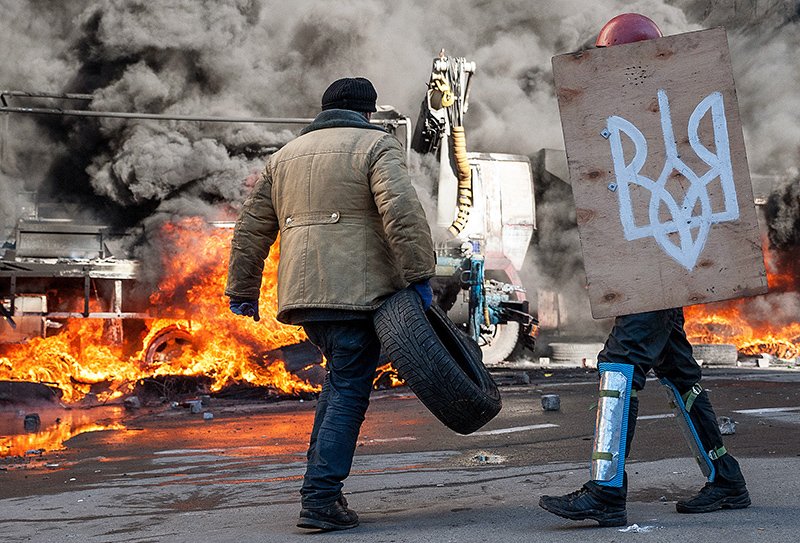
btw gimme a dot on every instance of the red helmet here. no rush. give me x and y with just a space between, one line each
627 28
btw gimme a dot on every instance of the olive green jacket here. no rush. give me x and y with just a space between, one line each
352 230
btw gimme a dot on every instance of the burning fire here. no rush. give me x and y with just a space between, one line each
386 376
728 322
224 347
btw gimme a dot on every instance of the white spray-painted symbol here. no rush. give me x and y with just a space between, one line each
683 221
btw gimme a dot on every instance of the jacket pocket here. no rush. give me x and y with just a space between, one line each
310 218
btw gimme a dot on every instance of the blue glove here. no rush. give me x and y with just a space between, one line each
423 288
246 308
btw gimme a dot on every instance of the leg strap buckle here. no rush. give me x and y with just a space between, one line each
715 454
689 397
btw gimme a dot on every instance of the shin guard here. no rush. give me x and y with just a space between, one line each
682 405
611 428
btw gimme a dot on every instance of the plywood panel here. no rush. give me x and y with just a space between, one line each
659 173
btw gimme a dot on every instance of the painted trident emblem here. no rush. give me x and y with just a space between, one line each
691 229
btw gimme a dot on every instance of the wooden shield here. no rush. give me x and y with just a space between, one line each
658 169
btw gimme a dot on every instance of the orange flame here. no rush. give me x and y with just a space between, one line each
728 322
386 376
225 347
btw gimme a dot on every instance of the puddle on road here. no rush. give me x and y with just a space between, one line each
173 441
22 435
178 438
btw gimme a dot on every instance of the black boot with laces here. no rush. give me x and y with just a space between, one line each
713 497
334 517
583 505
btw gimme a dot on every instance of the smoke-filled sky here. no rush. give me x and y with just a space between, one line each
271 58
275 58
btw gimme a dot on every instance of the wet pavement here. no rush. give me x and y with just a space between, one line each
166 475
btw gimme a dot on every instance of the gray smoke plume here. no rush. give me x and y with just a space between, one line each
272 58
764 39
783 222
783 215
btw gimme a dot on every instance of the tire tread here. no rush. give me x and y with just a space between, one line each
433 373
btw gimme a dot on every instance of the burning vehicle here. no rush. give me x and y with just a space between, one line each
130 291
77 316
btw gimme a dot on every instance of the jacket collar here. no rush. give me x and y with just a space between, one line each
337 118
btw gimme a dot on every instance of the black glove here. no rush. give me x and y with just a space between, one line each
423 288
246 308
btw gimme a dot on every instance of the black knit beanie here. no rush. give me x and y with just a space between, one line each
354 93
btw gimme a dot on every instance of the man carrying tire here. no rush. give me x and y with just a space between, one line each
352 233
638 343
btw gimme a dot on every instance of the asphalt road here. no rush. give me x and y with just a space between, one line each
169 476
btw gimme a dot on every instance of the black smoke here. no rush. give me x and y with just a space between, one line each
273 58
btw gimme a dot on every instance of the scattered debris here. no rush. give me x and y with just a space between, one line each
195 406
511 378
132 402
636 529
764 361
488 458
205 399
727 426
551 402
26 393
208 416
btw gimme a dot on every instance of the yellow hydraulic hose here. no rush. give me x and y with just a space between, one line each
464 180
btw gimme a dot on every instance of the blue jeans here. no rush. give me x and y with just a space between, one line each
352 350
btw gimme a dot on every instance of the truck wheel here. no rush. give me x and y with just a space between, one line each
503 345
440 363
168 344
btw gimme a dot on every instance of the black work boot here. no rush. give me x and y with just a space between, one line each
334 517
728 491
713 497
583 505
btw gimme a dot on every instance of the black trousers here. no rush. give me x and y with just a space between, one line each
657 341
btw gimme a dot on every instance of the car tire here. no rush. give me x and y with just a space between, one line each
439 362
715 354
580 355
